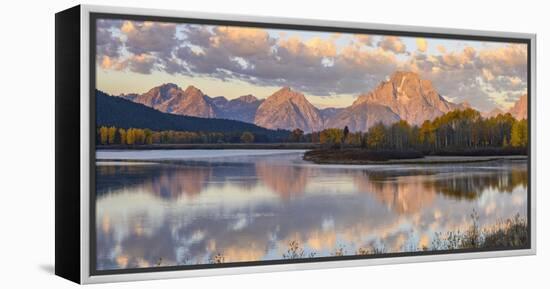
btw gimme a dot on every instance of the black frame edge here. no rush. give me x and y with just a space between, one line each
67 144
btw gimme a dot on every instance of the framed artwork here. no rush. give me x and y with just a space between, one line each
192 144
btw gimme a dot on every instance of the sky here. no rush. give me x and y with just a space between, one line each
331 69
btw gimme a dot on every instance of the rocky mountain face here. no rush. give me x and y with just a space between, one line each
329 112
190 102
156 95
242 108
519 110
193 102
219 101
410 97
288 109
171 98
361 116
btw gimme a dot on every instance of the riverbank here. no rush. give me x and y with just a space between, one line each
365 157
220 146
175 156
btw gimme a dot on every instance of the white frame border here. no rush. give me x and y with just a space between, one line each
85 276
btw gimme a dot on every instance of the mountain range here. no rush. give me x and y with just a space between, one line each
288 109
123 113
404 96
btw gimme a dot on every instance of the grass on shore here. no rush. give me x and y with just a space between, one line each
512 233
509 234
251 146
356 154
363 156
474 152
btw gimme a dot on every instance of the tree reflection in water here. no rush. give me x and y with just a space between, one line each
243 210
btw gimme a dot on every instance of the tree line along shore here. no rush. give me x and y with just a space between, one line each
457 133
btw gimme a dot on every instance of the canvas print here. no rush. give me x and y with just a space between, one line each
225 145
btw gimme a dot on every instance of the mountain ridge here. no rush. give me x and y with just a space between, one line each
403 96
407 95
287 108
124 113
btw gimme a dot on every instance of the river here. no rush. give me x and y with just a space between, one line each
178 207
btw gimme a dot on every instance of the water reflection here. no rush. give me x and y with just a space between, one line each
249 208
287 182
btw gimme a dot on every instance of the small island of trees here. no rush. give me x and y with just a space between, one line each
464 129
457 133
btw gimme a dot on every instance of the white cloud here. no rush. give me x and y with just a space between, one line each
392 43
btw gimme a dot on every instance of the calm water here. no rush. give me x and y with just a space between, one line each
248 205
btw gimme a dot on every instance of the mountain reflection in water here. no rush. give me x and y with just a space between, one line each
250 208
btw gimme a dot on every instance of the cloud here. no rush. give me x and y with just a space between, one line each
313 66
303 65
141 63
207 61
487 74
510 60
508 83
198 35
421 44
108 62
392 43
479 76
364 39
321 66
335 36
454 75
309 53
463 86
107 44
135 45
321 48
149 37
367 61
241 41
457 60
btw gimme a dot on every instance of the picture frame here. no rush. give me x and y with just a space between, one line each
76 139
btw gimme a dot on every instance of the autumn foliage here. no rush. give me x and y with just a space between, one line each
138 136
459 129
464 129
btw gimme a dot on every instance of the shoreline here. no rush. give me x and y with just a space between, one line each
194 154
174 156
225 146
430 160
427 160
